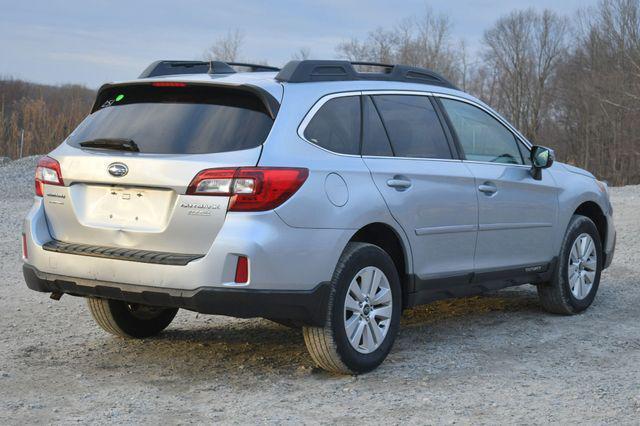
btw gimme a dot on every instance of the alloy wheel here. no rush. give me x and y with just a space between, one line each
583 264
368 308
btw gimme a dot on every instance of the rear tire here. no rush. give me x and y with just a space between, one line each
361 323
130 320
576 278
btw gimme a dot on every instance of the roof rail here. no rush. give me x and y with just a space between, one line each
336 70
254 67
166 67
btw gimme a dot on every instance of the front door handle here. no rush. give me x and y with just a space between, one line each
400 183
488 188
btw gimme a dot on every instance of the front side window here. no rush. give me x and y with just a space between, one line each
336 125
526 153
483 138
413 126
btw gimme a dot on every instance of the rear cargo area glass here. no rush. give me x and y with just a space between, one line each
177 120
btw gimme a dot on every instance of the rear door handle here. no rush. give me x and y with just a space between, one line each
400 183
488 188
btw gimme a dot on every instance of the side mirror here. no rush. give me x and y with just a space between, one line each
541 158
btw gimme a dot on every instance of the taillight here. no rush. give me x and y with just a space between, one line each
250 188
47 172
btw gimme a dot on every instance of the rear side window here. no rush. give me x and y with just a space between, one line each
375 140
336 125
177 120
483 138
413 126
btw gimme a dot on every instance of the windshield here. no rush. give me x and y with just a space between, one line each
177 120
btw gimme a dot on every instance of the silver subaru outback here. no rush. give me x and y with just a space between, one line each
319 196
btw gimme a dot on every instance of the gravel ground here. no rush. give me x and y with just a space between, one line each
481 360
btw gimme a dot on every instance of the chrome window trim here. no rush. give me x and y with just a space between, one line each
396 92
386 157
526 166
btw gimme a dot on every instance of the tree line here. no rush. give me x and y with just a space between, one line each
571 83
39 116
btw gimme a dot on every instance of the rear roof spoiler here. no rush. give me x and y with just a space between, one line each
336 70
167 67
271 104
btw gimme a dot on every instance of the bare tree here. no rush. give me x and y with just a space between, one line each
226 48
598 116
523 51
47 114
424 41
302 54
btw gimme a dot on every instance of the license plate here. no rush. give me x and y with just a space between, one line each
127 208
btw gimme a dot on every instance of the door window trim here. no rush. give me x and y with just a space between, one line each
514 132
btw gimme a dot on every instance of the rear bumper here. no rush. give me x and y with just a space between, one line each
281 258
308 306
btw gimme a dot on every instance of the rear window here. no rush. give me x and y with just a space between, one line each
177 120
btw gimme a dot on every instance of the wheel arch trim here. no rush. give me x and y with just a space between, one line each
370 233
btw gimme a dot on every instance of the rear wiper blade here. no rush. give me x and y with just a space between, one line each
111 143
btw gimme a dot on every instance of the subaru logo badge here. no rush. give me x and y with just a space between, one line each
117 169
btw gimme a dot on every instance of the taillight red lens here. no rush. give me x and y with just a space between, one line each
251 188
47 172
271 187
242 270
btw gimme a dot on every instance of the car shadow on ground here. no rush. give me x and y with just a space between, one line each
519 301
200 347
262 346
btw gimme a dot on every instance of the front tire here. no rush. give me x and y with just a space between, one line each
130 320
363 314
576 278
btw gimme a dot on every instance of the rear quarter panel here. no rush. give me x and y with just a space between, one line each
344 176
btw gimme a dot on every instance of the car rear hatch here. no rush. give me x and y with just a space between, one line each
127 167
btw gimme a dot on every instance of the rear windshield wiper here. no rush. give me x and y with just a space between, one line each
111 143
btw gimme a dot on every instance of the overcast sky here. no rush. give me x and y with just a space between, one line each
94 41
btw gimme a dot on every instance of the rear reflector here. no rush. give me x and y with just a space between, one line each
168 84
47 172
242 270
250 188
25 253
